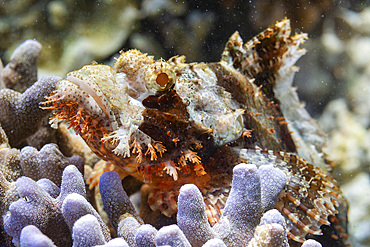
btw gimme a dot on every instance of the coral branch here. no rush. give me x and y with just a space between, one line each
191 216
20 115
21 71
115 199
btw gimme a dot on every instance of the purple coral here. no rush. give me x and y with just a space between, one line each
37 207
115 199
243 212
75 207
273 216
216 242
243 207
191 216
272 181
127 229
116 242
21 71
171 236
20 115
72 182
31 236
145 236
49 163
51 188
311 243
71 212
87 232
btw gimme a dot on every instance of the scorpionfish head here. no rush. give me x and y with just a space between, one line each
152 118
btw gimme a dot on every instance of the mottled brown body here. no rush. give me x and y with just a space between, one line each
169 123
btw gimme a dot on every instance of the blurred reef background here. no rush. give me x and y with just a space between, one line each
333 81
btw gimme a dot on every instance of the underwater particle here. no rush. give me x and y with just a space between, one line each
21 72
31 236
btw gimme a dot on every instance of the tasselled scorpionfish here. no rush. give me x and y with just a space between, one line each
168 123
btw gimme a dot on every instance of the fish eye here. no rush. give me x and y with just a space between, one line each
159 77
162 79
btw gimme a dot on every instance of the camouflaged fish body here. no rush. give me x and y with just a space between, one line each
169 123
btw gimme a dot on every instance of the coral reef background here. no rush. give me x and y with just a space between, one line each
333 80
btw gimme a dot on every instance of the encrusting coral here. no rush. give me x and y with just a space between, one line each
9 163
4 142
